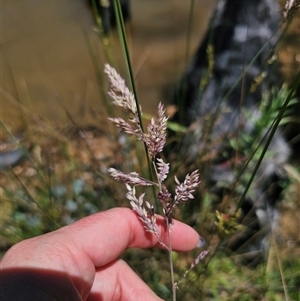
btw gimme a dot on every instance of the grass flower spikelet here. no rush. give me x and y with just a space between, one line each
118 91
183 191
163 169
131 178
156 135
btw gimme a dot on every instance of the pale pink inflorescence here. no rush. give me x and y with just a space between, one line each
122 97
132 178
155 140
163 169
183 191
118 91
146 216
156 136
193 264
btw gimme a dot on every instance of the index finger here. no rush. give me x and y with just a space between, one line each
104 236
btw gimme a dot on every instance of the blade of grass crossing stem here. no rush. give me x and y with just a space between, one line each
98 19
231 90
104 38
187 57
127 59
274 127
125 50
123 40
240 78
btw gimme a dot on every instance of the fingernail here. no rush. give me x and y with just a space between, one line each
201 242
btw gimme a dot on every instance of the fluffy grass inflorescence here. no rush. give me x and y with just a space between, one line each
154 140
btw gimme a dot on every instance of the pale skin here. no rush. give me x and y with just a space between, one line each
80 261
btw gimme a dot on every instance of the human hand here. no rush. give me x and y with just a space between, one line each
80 261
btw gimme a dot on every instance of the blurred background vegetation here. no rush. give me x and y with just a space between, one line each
54 112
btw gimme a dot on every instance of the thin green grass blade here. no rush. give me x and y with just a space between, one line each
273 129
127 59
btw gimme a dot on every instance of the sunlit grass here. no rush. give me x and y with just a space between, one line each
65 179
